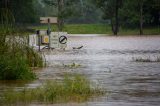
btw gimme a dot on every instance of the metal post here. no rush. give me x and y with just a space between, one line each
49 32
38 33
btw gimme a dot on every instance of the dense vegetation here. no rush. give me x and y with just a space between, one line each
16 57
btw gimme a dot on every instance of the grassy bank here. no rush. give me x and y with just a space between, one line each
73 88
100 29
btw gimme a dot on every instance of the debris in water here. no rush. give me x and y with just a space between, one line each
78 47
73 65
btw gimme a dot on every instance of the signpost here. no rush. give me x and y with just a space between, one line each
46 20
46 37
49 20
54 40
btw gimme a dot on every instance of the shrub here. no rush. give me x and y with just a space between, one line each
13 68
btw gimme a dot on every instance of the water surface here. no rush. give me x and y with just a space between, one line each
108 62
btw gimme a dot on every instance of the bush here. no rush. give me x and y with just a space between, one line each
13 68
16 57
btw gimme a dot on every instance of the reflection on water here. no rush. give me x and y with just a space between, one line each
107 61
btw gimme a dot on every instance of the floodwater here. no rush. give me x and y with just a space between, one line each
108 62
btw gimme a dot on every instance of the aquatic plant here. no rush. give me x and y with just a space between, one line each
148 59
13 68
73 88
16 57
140 59
73 65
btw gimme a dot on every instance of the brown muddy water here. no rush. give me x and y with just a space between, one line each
107 62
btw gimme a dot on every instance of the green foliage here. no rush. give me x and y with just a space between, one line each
110 9
14 68
14 62
73 88
22 10
34 59
16 57
130 13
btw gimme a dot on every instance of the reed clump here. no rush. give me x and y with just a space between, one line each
16 57
75 88
148 59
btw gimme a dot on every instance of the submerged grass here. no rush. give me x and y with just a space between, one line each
73 88
148 59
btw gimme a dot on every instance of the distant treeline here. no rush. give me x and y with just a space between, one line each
125 13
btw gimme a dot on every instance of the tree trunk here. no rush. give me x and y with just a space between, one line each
113 27
141 17
60 14
116 23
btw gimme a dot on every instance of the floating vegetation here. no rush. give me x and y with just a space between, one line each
73 88
73 65
148 59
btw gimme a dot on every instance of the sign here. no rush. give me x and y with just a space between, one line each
62 39
54 40
33 41
42 32
45 39
58 40
45 20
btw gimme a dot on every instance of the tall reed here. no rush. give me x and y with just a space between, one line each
16 57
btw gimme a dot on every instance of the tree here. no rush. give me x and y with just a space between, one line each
22 10
138 13
110 9
151 9
65 8
141 16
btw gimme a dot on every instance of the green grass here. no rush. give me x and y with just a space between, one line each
146 31
73 88
88 29
81 28
100 29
